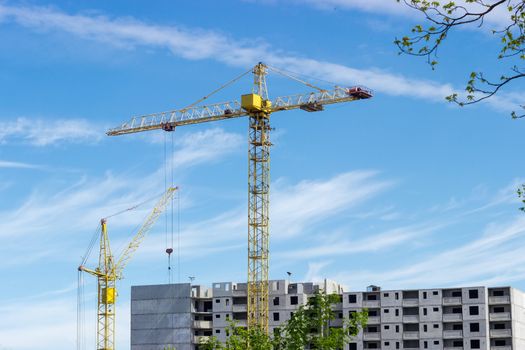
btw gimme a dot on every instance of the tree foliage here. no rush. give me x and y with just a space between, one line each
521 195
310 325
240 338
313 324
444 16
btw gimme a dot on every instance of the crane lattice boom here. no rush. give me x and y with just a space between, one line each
137 240
233 109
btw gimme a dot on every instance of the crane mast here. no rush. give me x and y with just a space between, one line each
258 108
108 272
258 200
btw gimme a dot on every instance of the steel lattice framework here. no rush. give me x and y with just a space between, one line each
258 206
258 107
233 109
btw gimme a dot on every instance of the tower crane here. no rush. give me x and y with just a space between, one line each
109 271
257 107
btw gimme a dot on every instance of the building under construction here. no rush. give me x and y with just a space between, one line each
183 315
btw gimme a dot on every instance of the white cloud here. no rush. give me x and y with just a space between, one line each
190 44
77 207
500 16
297 207
314 270
489 255
51 322
17 165
372 6
294 208
45 216
204 146
39 132
196 44
379 80
50 224
493 258
222 232
506 195
45 212
349 244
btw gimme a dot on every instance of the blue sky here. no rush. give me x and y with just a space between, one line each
403 190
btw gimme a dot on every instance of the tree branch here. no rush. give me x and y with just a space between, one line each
444 16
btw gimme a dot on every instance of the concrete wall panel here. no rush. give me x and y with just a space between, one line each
164 291
160 306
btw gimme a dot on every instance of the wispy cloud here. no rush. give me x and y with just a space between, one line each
17 165
204 146
40 132
499 16
506 195
50 319
34 224
314 271
198 240
378 79
372 6
49 322
486 253
349 244
69 215
493 258
190 44
309 202
195 43
295 207
77 207
84 202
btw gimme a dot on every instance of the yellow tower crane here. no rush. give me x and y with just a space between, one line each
109 271
258 108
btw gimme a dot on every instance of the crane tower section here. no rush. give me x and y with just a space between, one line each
258 106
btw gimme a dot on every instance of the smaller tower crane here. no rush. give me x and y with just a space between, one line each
109 271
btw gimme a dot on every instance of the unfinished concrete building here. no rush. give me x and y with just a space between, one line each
181 315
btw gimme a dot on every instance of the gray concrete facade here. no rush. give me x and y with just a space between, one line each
465 318
165 316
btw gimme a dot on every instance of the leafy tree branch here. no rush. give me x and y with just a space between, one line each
443 17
